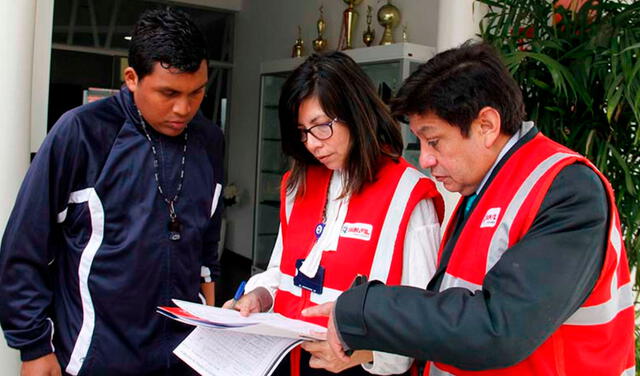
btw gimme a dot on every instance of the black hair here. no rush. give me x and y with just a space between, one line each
344 92
456 84
167 36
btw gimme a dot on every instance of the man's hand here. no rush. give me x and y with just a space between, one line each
248 304
327 309
44 366
323 357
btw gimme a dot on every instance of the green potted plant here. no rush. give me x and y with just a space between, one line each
578 65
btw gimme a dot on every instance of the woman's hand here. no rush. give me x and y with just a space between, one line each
251 302
323 357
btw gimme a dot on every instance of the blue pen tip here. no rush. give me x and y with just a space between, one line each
240 291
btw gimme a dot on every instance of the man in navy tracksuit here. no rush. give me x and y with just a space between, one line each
117 215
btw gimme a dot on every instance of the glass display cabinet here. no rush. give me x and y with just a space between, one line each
387 66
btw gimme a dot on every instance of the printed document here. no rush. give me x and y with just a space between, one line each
219 352
224 343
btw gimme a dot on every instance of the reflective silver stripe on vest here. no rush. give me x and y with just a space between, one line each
449 281
500 239
386 243
286 284
615 237
85 335
621 297
629 372
435 371
389 231
328 294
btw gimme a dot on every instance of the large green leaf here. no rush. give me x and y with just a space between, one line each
630 48
623 164
613 96
560 75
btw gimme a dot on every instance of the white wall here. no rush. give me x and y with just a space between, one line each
458 21
266 30
17 38
40 72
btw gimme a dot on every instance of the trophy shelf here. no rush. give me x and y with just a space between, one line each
396 51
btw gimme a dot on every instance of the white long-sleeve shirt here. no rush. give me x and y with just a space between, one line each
419 260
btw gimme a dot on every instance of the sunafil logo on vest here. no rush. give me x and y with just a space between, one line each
360 231
491 218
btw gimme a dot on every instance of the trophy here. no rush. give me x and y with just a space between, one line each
405 39
320 43
389 18
369 35
349 19
298 47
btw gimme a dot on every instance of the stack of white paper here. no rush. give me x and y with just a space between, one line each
219 352
227 344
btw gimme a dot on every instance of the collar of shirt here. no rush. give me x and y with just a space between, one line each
524 129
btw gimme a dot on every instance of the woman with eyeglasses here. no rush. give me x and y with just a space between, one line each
350 205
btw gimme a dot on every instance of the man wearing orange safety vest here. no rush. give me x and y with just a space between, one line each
532 274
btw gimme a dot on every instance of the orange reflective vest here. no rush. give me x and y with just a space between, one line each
598 338
371 241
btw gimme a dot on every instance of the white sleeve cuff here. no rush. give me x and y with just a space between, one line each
269 280
387 364
205 274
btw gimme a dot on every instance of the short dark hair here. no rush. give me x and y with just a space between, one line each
456 84
168 36
344 92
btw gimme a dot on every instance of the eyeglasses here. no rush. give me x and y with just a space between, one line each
319 131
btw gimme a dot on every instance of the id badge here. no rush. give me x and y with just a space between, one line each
312 284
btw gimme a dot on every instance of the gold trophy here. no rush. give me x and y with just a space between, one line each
389 18
298 47
349 19
369 35
320 43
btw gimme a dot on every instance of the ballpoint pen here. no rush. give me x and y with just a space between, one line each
239 293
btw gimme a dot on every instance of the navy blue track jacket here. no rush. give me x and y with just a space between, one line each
86 258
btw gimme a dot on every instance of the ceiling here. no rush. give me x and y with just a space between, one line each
102 25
